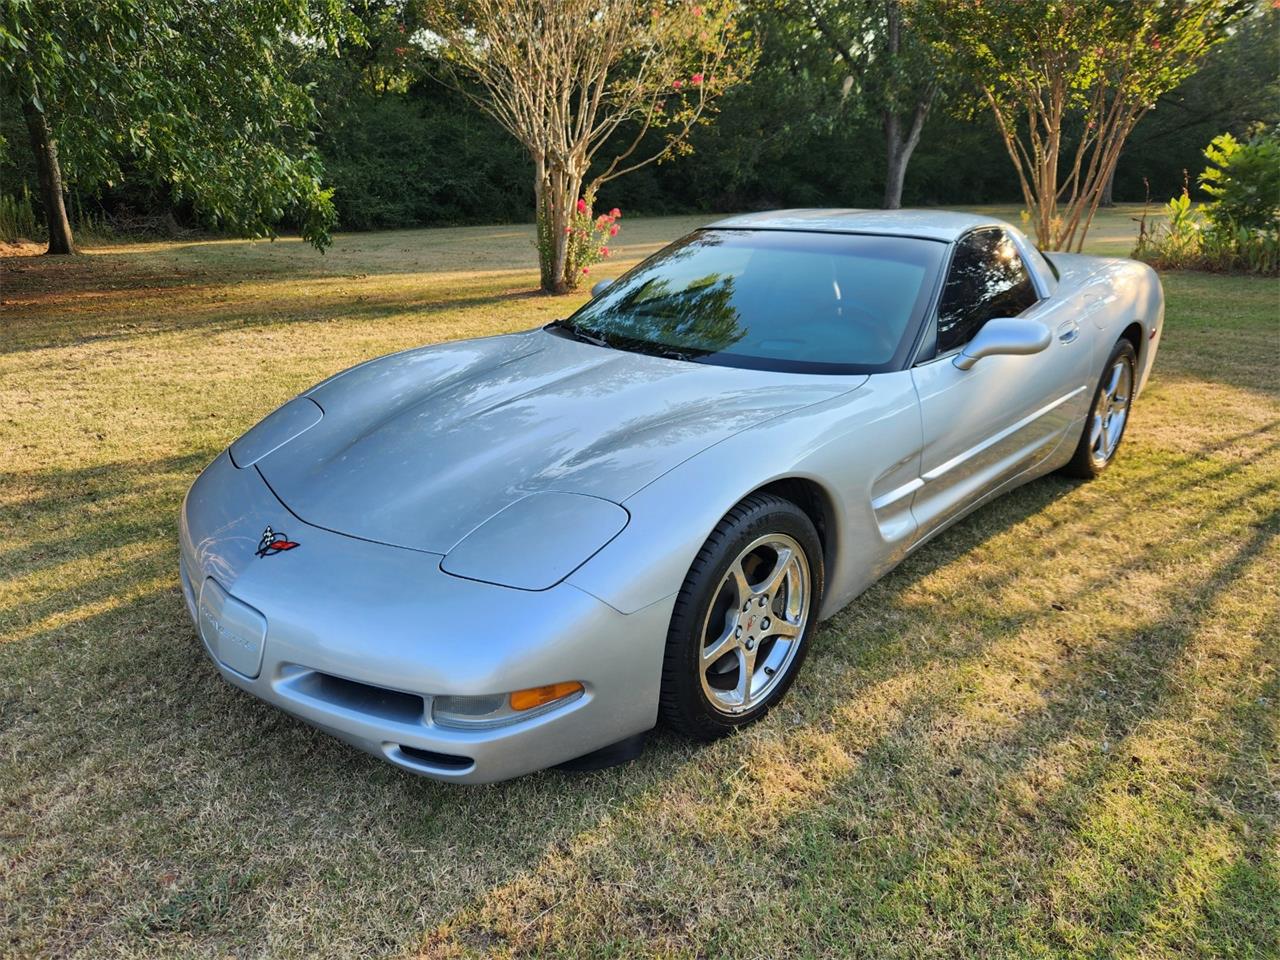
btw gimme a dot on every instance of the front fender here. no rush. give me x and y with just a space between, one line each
861 448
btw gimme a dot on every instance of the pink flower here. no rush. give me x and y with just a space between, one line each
613 231
615 212
1155 43
604 251
697 11
586 270
568 230
677 84
696 79
582 205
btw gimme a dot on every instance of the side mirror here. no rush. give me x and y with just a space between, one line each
1004 336
600 287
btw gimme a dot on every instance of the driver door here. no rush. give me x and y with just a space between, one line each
990 423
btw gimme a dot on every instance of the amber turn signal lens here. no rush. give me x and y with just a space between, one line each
537 696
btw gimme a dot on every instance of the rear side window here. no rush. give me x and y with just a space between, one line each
987 280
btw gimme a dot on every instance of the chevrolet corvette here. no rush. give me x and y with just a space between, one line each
482 558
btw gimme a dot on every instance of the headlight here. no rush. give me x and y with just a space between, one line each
494 710
537 541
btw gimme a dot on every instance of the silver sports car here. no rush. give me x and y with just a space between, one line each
482 558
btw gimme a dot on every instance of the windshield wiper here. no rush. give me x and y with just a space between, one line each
633 344
578 334
675 353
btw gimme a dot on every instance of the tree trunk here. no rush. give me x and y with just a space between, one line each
1107 200
556 192
894 169
899 147
899 150
45 149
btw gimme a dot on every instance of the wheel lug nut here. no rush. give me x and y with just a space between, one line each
737 631
763 601
764 624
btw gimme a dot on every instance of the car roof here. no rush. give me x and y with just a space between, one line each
946 225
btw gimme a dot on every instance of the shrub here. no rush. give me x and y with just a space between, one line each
1244 181
589 239
17 218
1239 229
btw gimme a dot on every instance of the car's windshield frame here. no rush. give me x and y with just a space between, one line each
900 359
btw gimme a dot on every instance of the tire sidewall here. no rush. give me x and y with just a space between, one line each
773 515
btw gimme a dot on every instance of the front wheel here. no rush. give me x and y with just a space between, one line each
1108 416
742 621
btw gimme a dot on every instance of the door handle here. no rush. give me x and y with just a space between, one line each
1068 331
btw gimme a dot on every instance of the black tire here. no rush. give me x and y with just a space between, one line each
684 704
1085 463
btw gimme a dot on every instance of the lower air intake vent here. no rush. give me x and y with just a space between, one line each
412 756
360 697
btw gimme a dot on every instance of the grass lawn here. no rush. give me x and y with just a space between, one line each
1052 732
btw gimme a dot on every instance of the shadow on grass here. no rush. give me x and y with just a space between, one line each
899 800
195 813
212 316
70 513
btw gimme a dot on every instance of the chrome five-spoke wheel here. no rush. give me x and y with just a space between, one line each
754 625
1110 411
1104 426
742 620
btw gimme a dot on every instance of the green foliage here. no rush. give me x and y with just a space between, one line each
1047 68
198 95
1244 181
1240 229
423 157
854 33
1176 242
1236 89
400 149
17 219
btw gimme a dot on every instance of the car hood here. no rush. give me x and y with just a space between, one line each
418 448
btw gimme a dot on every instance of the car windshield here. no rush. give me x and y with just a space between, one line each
781 300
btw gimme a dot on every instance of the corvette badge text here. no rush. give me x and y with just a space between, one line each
273 543
226 632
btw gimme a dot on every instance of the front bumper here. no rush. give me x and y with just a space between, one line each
357 637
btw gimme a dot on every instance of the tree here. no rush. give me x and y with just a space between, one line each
1081 71
196 94
1236 89
890 68
561 76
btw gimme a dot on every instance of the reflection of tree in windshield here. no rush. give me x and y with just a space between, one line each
700 316
759 298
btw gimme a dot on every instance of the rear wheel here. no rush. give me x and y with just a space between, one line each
742 620
1108 416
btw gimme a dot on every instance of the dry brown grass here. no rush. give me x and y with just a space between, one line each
1053 732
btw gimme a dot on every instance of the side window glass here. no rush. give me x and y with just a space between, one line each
987 280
